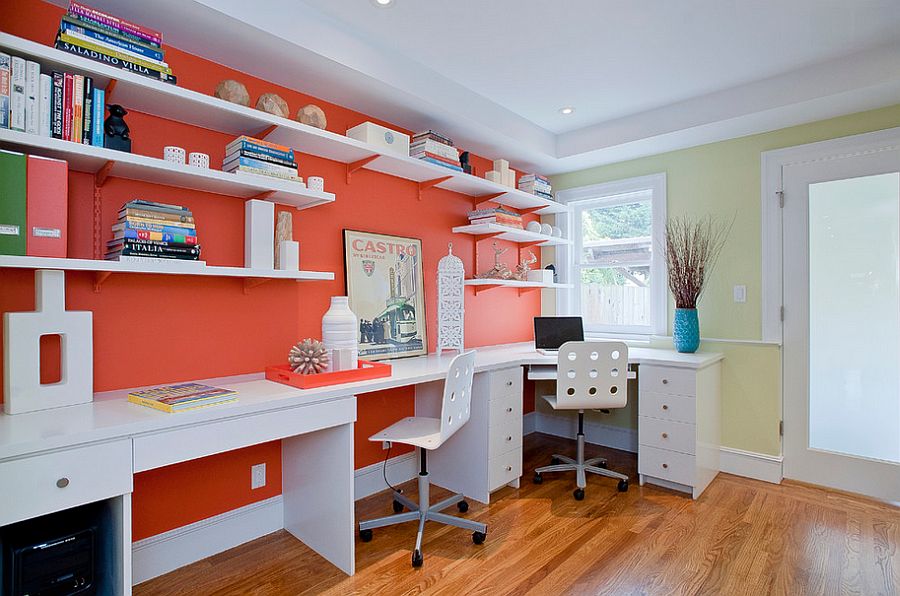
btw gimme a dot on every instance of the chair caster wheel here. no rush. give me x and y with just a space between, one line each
365 535
478 537
623 486
462 506
555 461
537 478
578 493
601 464
417 558
398 506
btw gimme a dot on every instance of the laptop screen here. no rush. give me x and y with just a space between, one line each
552 332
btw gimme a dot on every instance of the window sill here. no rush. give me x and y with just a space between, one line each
630 338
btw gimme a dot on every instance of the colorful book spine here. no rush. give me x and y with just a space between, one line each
13 192
446 160
130 219
113 245
87 129
155 249
258 164
83 21
68 105
17 94
45 110
261 172
115 22
105 58
438 162
98 105
154 227
56 105
47 207
77 108
109 51
89 33
260 155
248 143
32 97
434 147
5 65
161 236
144 204
149 214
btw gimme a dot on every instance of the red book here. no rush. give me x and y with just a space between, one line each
453 162
68 106
116 22
46 207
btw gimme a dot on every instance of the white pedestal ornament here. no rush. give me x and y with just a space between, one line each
340 334
22 331
259 234
451 303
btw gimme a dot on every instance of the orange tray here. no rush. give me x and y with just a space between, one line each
282 373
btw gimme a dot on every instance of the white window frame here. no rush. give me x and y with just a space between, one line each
568 301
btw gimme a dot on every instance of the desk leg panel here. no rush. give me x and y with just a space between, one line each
317 489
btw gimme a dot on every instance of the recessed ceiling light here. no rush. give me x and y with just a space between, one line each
383 3
567 110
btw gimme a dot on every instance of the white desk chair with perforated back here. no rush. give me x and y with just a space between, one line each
591 375
426 434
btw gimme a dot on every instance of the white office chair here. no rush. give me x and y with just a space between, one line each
590 376
426 434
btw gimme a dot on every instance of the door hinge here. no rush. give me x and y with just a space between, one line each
781 313
781 428
780 194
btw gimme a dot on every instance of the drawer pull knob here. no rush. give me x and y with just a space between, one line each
62 482
665 407
665 381
666 466
509 468
665 435
509 383
509 409
509 438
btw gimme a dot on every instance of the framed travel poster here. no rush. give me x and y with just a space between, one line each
386 290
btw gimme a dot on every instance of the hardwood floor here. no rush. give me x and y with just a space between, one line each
741 537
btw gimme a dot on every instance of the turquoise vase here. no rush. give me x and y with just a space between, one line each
686 330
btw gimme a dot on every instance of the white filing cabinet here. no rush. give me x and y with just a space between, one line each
679 426
486 453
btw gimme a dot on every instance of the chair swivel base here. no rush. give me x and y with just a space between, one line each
581 467
423 512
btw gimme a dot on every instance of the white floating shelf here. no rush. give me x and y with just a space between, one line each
106 268
483 284
90 159
512 234
143 94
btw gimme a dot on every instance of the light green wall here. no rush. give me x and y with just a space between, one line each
723 179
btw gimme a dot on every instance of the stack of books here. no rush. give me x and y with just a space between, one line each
536 185
496 215
184 396
149 230
57 104
435 148
254 156
100 36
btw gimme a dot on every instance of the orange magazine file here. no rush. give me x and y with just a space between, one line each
47 208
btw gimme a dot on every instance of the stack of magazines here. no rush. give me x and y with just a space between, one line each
184 396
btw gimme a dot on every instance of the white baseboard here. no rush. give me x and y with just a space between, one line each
625 439
370 480
156 555
749 464
529 421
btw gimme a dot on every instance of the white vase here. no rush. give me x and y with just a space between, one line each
340 330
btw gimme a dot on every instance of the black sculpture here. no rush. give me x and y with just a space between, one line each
464 162
116 130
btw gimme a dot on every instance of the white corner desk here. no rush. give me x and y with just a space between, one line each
57 459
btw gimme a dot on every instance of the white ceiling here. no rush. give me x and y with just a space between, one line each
645 76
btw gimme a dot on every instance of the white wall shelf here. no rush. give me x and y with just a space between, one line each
103 269
501 232
107 162
523 286
183 105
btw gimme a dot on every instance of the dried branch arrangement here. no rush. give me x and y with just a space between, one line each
692 249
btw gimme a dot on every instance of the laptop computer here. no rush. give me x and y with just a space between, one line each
552 332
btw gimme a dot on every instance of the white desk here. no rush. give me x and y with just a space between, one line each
99 446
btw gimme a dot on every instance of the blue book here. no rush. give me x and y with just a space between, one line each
441 163
246 143
99 109
113 41
265 166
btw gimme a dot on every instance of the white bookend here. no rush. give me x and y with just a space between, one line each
259 234
32 97
44 103
289 255
17 94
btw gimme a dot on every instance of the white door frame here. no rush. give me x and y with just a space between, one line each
773 199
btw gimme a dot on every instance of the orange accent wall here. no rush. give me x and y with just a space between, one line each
153 329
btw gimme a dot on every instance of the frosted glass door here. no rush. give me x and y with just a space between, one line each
841 355
854 316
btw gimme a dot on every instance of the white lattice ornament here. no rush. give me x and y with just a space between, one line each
451 302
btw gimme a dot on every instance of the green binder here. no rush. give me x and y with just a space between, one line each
12 203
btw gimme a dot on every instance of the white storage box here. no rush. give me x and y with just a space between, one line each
369 132
541 275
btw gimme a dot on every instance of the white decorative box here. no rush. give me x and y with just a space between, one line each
369 132
544 276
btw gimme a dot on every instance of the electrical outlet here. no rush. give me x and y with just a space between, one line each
385 445
740 294
257 476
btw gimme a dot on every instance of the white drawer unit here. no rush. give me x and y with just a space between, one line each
679 428
43 484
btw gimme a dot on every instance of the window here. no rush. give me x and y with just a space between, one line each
615 263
